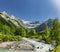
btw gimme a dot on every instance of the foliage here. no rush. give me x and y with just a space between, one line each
33 32
7 37
57 49
20 31
55 32
47 34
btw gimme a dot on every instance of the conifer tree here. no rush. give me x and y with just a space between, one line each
47 34
56 31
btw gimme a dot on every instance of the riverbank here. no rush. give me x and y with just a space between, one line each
27 44
17 45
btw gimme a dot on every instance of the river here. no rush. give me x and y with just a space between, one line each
38 47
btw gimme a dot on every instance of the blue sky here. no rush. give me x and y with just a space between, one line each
32 10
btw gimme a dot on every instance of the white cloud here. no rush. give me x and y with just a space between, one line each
56 4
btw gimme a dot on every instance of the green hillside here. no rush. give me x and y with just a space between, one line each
6 25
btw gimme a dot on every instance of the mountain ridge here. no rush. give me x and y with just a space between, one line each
26 24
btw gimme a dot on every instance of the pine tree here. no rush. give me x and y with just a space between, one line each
47 34
33 32
27 32
23 32
56 31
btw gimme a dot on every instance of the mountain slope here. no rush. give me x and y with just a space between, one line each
42 26
11 18
5 24
12 22
18 22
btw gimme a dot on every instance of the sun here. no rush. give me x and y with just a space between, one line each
56 4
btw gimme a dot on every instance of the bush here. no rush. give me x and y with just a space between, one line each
57 49
6 37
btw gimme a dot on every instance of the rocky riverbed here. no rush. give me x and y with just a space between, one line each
17 45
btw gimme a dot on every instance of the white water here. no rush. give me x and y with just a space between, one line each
39 46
